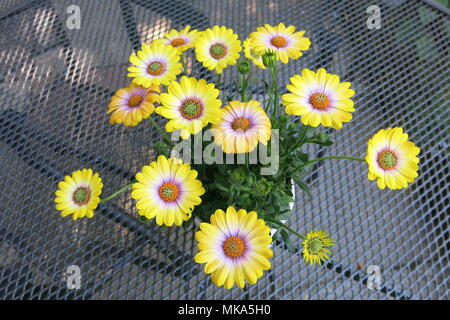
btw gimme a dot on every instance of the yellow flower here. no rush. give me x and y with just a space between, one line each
242 125
168 190
235 247
217 47
78 194
284 41
190 105
315 247
392 159
155 64
252 54
319 98
133 104
183 39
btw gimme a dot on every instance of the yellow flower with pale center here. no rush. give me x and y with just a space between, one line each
133 104
315 247
78 194
183 39
168 190
155 64
217 48
235 247
190 105
287 43
392 159
252 54
319 98
242 126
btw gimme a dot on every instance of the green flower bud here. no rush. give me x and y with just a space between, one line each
263 187
269 59
238 175
243 66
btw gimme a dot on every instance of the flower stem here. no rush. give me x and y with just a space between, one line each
244 84
285 227
273 73
164 135
183 63
303 133
327 158
115 194
219 80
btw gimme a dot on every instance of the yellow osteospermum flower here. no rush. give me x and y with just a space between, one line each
190 105
392 159
315 247
155 64
168 190
252 54
133 104
217 47
242 125
284 41
235 247
183 39
319 98
79 194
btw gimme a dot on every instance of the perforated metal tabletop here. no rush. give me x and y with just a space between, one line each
55 85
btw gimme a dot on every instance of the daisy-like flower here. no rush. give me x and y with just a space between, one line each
190 105
235 247
183 39
78 194
243 124
319 98
133 104
217 47
168 190
392 159
252 54
315 247
155 64
284 41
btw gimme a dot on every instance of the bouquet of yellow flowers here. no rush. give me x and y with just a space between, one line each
230 163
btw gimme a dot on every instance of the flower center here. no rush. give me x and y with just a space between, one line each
81 196
218 51
240 123
155 68
169 192
387 160
278 41
319 101
134 100
191 109
315 246
177 42
234 247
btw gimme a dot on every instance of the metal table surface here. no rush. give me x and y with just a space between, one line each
55 85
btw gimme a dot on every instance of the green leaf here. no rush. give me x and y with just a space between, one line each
287 240
304 187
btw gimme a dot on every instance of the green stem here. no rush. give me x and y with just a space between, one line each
115 194
183 63
219 79
164 135
244 82
273 73
303 133
286 227
327 158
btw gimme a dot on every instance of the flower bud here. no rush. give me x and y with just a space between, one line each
269 59
263 187
243 66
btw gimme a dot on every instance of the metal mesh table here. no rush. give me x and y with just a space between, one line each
55 85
